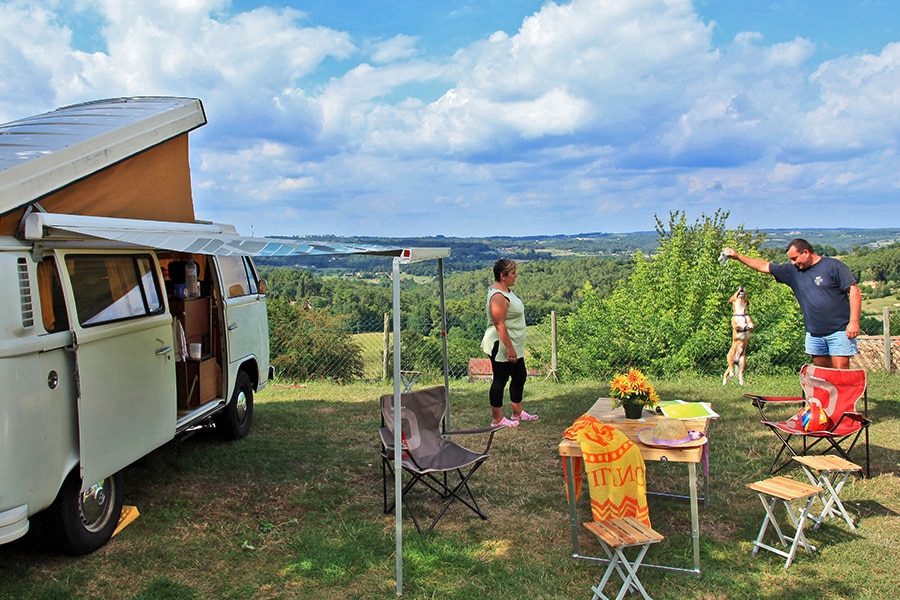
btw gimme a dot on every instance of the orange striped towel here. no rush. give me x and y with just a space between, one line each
617 481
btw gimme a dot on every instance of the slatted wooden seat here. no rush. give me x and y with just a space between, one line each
615 535
785 490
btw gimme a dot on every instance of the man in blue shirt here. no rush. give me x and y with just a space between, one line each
829 299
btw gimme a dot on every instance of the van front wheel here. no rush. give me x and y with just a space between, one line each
82 522
234 421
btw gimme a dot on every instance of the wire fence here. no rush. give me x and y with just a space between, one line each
363 351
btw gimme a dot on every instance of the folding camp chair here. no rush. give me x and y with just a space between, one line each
429 457
839 392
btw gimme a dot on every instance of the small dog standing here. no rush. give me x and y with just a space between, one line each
741 324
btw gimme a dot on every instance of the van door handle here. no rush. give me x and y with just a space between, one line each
165 350
232 326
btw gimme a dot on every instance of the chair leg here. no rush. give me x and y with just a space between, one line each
828 473
387 467
770 492
868 471
632 582
384 486
835 498
440 485
785 445
799 521
453 495
769 506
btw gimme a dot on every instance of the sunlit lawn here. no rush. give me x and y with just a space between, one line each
294 511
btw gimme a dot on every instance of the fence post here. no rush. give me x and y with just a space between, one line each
386 348
886 319
553 355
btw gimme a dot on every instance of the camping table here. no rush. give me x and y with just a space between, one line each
603 410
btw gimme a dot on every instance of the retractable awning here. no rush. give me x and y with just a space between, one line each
200 238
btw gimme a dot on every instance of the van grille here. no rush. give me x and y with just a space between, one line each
25 294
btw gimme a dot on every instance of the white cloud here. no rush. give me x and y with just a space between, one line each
396 48
859 106
592 116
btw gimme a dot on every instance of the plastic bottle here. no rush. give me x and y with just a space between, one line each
192 287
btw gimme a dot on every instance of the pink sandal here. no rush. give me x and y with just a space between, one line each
504 422
524 416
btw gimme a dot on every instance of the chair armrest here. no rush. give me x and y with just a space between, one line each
759 401
854 416
491 429
488 429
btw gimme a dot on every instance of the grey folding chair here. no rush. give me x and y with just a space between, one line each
430 457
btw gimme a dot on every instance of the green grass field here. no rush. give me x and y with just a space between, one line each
295 511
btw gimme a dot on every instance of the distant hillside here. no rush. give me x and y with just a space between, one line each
845 240
468 254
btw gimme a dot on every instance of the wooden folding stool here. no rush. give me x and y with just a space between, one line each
615 535
830 473
776 489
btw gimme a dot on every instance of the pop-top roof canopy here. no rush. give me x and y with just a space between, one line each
46 152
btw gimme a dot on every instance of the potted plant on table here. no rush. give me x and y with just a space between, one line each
634 392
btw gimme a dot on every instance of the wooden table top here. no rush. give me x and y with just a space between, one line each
602 409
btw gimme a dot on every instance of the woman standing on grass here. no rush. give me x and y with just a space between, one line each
504 342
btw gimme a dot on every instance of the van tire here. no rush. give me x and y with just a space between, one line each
79 523
235 420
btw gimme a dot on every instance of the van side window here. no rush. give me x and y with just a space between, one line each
113 288
53 304
238 276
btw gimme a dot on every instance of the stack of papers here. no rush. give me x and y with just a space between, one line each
679 409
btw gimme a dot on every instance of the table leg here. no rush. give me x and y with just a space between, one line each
573 506
695 515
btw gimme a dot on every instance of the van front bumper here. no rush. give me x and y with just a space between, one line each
13 523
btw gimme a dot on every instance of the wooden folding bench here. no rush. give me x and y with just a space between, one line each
780 488
615 535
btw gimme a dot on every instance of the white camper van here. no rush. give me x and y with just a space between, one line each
123 321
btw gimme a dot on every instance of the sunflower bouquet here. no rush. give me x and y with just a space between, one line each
632 387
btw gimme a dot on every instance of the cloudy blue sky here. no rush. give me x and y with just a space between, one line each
495 117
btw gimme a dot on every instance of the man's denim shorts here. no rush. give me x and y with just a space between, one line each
835 344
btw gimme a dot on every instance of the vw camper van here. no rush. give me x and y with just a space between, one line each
124 322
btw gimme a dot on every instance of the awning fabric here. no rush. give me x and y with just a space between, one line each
201 238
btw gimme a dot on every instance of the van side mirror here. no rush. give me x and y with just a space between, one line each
263 287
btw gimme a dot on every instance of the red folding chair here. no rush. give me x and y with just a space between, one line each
839 392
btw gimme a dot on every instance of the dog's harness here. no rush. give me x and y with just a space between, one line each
745 327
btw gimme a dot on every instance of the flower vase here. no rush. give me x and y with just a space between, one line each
633 411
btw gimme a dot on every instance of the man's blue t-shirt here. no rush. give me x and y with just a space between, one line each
822 293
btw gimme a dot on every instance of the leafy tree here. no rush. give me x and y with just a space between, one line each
880 265
672 313
310 344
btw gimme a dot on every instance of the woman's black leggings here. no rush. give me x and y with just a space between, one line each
515 373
